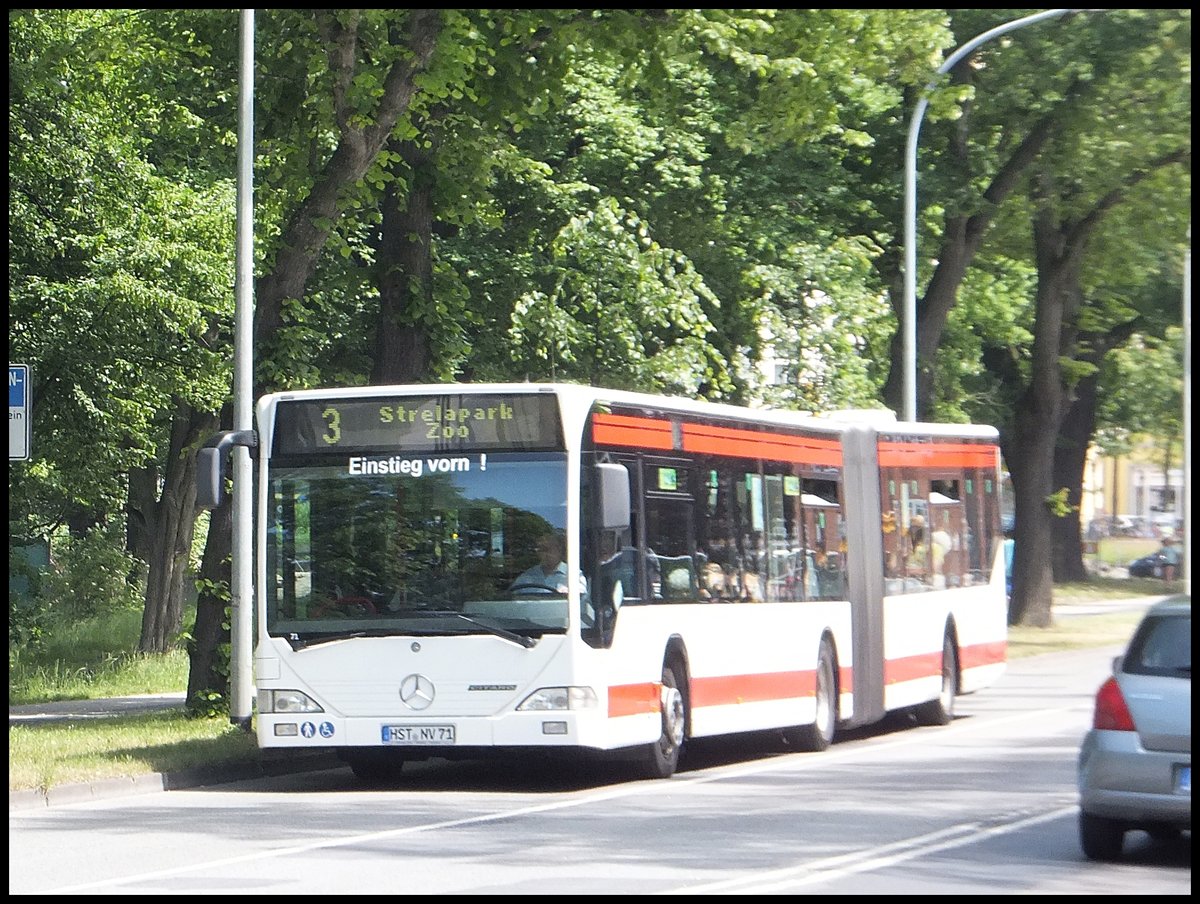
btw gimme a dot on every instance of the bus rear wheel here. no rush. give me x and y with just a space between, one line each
819 735
661 759
940 711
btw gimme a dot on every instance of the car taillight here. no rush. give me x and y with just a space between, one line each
1111 712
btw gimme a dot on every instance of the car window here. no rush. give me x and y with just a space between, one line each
1161 646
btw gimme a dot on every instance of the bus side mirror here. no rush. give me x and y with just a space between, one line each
210 477
210 465
612 484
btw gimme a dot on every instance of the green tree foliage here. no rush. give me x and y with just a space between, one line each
114 271
118 273
1065 133
647 198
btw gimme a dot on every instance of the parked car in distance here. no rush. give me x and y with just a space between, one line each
1135 763
1149 566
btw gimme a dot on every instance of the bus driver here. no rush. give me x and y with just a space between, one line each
550 572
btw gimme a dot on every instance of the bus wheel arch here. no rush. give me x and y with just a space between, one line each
940 710
819 734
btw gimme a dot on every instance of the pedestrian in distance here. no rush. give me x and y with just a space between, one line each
1170 558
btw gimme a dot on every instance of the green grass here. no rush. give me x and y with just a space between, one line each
50 755
1075 632
79 664
1120 551
1072 634
93 657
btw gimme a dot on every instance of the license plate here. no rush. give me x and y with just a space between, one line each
1183 780
418 735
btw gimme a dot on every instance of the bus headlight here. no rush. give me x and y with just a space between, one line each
559 698
287 701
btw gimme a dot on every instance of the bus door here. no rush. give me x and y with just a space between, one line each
670 539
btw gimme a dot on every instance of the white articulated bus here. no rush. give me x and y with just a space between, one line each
723 570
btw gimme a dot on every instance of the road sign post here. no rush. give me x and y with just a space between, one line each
19 415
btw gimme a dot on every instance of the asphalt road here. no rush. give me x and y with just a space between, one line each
272 762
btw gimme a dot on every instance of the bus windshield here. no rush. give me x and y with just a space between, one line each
413 545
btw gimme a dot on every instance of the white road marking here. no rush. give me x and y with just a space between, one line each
953 836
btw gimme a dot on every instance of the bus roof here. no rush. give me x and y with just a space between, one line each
882 420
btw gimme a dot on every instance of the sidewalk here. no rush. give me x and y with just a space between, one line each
1102 607
67 710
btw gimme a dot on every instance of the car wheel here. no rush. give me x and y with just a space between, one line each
1163 833
1101 838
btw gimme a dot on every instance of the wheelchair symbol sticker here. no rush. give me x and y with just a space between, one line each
327 729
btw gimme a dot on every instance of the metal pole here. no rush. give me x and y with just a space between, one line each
910 200
1185 545
242 578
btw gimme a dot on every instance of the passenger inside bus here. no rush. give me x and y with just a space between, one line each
942 543
917 548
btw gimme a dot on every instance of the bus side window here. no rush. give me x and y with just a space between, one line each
619 574
678 578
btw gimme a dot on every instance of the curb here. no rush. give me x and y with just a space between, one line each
199 777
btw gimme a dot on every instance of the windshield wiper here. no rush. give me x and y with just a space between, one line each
299 643
523 639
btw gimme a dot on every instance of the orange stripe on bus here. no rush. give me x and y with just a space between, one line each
732 689
929 665
938 455
724 690
757 444
637 432
633 699
910 668
982 654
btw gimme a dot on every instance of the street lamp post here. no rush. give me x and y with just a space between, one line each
910 201
242 576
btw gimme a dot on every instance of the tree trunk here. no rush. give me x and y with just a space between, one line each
1030 457
1058 250
139 511
1070 459
961 239
405 253
208 671
173 522
303 237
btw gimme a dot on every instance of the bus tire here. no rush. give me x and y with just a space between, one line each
819 735
940 711
374 767
661 759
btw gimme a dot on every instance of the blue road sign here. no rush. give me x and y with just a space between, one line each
19 418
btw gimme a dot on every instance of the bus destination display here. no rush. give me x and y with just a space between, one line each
418 424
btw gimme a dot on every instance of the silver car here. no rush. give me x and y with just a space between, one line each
1135 765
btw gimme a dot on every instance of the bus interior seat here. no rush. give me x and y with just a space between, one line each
679 578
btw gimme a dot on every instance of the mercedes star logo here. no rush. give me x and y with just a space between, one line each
416 692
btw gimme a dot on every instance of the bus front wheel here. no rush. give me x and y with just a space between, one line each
661 758
373 766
